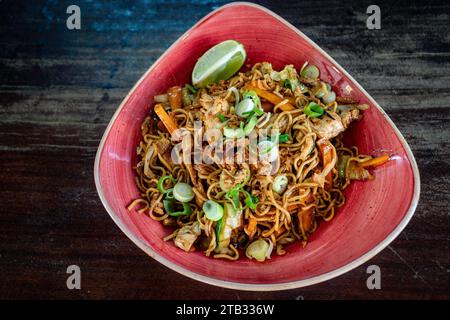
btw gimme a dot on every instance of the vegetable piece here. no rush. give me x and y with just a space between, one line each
191 88
342 165
311 72
250 200
250 125
221 117
219 227
280 184
259 250
329 98
165 118
236 95
183 192
174 94
375 162
313 110
272 98
245 107
160 184
242 131
234 133
161 98
185 97
213 210
176 209
250 228
291 84
252 95
282 138
320 90
233 196
267 150
231 220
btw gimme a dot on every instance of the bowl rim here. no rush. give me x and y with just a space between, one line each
249 286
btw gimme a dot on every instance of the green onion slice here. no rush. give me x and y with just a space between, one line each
311 72
161 181
252 94
183 192
221 117
280 184
191 88
282 138
173 208
213 210
313 110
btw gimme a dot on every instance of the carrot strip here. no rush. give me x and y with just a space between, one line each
272 98
175 97
375 162
174 94
165 118
250 229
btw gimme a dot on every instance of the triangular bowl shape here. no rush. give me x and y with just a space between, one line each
375 211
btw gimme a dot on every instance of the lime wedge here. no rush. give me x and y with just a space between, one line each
218 63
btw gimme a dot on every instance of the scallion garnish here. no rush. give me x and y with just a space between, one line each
176 209
160 184
313 110
213 210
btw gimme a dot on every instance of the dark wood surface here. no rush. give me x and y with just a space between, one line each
59 89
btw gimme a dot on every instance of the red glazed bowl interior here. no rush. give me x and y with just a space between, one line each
374 214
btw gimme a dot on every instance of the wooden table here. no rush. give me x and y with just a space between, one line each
59 88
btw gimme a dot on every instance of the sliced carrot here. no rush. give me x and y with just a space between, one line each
174 94
250 229
165 118
375 162
272 98
306 218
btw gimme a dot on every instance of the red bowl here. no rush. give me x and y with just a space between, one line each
374 214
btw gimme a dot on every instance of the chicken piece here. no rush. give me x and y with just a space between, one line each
187 235
328 127
236 174
348 116
213 106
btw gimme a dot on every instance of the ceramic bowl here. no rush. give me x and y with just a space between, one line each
375 211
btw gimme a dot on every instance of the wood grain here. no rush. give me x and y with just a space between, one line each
59 88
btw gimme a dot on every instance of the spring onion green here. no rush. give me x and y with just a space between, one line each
313 110
252 95
282 138
213 210
183 192
160 184
221 117
191 88
176 209
342 165
329 98
267 150
311 72
280 184
245 107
